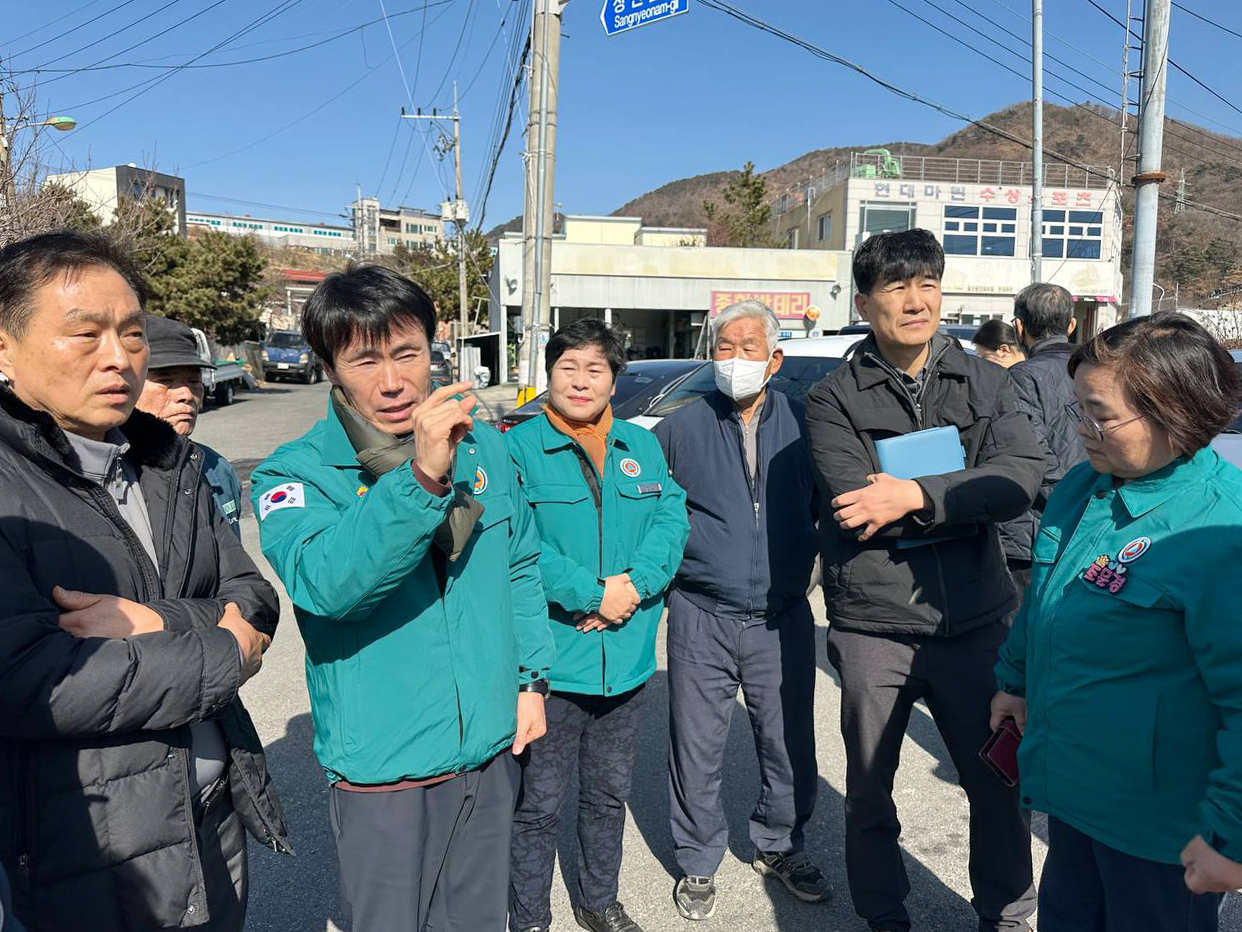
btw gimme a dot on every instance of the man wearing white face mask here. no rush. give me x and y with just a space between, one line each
738 613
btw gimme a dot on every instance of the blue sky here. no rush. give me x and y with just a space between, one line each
699 93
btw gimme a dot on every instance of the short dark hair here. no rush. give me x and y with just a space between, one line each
885 258
1045 310
364 302
586 331
29 264
1175 373
994 334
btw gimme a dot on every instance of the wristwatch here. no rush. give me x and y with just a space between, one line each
535 686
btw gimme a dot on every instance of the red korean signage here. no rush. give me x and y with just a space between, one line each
786 305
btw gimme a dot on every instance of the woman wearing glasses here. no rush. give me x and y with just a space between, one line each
1124 666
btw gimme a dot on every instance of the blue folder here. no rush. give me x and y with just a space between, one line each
931 452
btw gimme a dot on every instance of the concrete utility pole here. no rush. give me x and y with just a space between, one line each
457 211
1037 140
537 223
1151 144
6 169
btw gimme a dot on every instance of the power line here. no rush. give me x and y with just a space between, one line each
1210 22
115 32
754 22
308 114
69 32
53 22
332 36
284 207
504 138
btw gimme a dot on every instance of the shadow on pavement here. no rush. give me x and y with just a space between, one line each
296 893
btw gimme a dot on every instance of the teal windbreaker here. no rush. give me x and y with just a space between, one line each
632 519
1128 649
405 681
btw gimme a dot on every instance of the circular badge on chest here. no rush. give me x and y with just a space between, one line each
1133 550
631 468
480 480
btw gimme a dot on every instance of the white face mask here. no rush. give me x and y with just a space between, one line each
741 378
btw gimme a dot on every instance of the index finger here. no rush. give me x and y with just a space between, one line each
444 392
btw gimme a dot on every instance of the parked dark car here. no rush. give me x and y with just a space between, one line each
441 368
286 355
638 385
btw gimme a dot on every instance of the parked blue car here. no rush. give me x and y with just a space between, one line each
286 355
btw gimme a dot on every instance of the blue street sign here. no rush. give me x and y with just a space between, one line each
623 15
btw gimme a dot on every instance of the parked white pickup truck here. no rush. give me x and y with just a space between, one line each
222 382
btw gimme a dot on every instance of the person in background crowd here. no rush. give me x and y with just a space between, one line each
1044 320
1123 668
412 560
739 615
914 578
131 616
173 392
613 526
997 341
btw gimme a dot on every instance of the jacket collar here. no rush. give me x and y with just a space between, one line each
552 439
338 450
947 357
1151 491
726 408
33 433
1058 344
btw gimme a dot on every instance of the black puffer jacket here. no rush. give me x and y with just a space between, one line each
1044 390
96 824
942 588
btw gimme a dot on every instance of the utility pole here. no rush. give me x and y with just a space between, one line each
1179 206
457 211
1037 140
6 168
537 224
1151 144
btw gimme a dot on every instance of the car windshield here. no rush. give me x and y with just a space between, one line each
286 339
797 375
1236 426
437 358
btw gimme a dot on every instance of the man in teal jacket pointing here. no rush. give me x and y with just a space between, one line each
613 525
410 556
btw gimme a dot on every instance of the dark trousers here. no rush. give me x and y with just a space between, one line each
1087 886
222 854
773 661
594 735
432 858
881 677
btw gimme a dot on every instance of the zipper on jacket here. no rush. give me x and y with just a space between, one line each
752 483
593 483
26 819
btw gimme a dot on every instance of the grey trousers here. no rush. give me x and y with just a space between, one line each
428 859
222 852
773 661
881 677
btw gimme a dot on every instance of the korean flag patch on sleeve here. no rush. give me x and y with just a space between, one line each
288 495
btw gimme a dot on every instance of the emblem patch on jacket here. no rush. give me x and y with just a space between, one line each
631 468
288 495
1106 573
480 480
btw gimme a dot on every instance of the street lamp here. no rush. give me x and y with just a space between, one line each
61 123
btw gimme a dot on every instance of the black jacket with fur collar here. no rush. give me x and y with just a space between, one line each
96 823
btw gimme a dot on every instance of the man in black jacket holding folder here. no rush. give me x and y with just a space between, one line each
914 576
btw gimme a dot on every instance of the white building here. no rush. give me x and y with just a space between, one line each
380 230
321 237
102 189
659 286
980 210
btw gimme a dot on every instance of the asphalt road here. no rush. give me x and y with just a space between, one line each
299 894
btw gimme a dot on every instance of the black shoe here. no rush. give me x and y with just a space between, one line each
796 871
695 897
612 919
534 929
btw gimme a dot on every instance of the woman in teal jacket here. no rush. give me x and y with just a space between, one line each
1124 667
612 525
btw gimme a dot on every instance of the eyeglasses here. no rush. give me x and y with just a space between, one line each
1097 430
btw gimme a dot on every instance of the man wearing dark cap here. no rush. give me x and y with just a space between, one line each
174 392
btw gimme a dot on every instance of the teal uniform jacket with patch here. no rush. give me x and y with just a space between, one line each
226 487
632 519
1129 651
405 681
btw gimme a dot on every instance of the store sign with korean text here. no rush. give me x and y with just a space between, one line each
982 194
786 305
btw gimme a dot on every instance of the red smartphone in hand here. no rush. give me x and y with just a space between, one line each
1000 753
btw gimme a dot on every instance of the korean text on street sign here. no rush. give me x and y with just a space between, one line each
623 15
786 305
